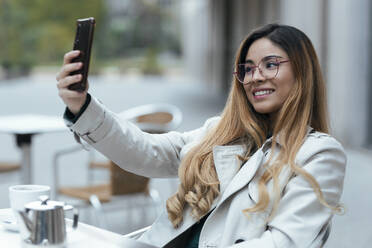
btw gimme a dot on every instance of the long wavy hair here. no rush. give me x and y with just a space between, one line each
305 106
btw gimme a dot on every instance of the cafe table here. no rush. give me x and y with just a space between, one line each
84 236
24 127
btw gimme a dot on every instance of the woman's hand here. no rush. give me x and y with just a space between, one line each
74 100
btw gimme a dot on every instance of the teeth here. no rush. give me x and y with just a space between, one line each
263 92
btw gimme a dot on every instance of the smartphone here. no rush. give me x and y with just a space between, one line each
83 42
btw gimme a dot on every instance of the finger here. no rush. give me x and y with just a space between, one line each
65 82
67 69
67 60
69 56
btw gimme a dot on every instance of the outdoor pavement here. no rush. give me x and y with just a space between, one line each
198 102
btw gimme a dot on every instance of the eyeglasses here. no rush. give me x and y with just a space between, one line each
268 67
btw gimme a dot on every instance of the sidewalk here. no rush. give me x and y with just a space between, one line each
197 102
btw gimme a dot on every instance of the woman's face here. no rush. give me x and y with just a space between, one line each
268 95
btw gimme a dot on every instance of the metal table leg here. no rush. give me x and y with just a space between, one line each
24 144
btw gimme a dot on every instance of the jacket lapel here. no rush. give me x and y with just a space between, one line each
244 176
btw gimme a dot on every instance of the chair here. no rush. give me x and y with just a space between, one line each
9 167
10 171
152 118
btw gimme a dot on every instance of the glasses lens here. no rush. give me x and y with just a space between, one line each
244 72
269 68
240 73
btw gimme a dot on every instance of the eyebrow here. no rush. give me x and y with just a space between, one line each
264 58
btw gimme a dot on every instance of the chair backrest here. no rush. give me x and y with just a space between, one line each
124 182
9 166
154 118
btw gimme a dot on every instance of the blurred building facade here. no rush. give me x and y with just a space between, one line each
339 29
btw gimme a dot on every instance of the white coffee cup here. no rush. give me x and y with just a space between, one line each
20 195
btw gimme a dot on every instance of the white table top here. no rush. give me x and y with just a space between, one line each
31 124
84 236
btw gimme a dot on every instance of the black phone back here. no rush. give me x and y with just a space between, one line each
83 42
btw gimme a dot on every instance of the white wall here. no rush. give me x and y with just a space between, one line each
306 16
194 24
340 38
348 53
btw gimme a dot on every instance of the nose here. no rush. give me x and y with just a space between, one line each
257 75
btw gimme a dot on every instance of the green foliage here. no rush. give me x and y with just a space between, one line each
145 25
40 31
151 65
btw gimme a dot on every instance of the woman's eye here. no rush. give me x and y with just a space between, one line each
271 65
248 69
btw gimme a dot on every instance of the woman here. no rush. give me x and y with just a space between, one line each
263 174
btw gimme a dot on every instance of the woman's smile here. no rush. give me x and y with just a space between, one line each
262 93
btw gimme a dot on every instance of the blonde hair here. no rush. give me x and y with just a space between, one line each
306 105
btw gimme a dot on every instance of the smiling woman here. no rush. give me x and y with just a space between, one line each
269 87
265 173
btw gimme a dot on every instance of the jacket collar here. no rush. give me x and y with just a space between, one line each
268 142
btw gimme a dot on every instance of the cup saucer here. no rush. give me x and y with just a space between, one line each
9 223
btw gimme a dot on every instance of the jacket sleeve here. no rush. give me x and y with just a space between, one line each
150 155
300 217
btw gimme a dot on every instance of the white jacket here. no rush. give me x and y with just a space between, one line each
299 218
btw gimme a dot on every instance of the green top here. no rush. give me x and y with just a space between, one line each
194 235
